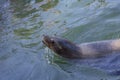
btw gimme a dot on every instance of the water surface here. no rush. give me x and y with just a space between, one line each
23 22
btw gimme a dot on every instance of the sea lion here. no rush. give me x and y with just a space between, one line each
68 49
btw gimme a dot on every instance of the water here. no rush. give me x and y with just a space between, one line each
23 22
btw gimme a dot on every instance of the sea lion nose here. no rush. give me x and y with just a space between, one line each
43 38
44 35
46 39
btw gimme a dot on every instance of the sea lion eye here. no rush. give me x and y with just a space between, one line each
52 41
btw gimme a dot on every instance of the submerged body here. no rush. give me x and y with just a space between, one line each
68 49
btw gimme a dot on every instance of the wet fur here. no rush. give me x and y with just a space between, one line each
68 49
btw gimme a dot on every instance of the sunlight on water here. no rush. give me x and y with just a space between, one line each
23 23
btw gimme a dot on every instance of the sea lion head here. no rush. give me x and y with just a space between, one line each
62 47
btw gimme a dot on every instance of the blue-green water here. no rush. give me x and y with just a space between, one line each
23 22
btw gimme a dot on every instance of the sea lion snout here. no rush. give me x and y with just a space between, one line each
46 40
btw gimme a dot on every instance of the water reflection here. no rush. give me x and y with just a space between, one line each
49 4
25 7
22 8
